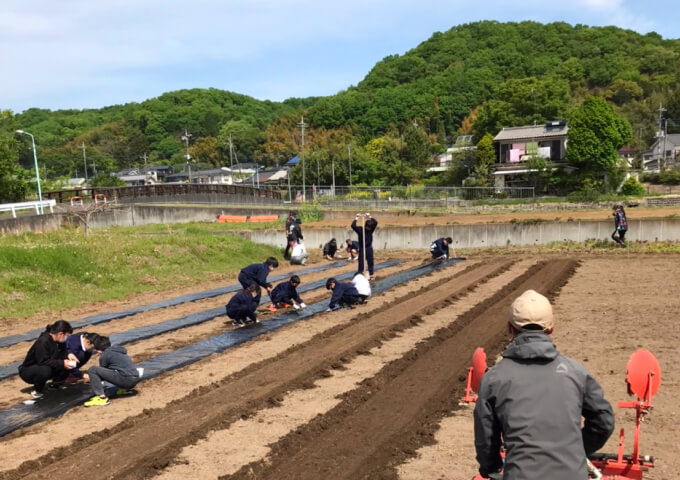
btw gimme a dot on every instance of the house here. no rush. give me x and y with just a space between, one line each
627 154
136 178
443 161
663 153
222 176
515 146
162 171
180 177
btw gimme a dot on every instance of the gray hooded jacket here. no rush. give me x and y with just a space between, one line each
115 357
532 402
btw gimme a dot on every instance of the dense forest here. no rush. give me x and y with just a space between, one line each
472 79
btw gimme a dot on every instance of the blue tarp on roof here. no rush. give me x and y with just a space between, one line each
293 161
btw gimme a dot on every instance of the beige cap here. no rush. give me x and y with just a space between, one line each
531 308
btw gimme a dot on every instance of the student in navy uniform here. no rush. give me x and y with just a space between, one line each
365 235
620 225
256 274
330 249
352 248
285 294
241 307
440 247
344 294
47 358
115 367
81 346
290 221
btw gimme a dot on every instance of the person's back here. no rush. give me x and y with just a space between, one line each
532 401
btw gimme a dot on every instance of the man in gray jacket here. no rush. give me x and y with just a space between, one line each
532 401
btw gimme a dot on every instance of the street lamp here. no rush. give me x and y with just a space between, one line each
37 172
185 138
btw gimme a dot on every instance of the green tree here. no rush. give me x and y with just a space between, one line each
485 156
596 132
13 179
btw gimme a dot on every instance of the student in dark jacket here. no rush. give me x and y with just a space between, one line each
440 247
344 294
256 274
241 307
285 294
330 249
81 346
47 358
115 367
620 225
290 221
365 235
546 410
352 248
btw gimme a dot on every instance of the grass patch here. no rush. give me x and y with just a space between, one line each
63 269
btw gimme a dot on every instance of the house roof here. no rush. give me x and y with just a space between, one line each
533 132
213 172
671 139
293 161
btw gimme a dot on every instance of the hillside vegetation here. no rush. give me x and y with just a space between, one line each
472 79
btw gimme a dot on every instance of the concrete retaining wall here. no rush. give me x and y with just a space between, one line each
487 235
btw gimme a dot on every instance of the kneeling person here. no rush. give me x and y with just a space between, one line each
241 307
440 248
362 285
115 367
344 294
285 294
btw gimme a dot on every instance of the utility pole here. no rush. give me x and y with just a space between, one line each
349 157
661 133
302 126
231 153
144 157
185 138
333 175
85 161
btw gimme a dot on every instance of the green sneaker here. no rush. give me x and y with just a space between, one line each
97 401
124 391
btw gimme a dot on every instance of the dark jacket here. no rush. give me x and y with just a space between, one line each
368 235
115 358
255 273
289 221
354 245
46 351
620 221
330 248
241 305
534 398
438 248
343 292
74 345
296 232
284 292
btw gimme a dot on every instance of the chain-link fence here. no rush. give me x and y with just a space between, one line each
399 195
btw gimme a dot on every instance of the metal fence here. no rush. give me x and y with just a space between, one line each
329 195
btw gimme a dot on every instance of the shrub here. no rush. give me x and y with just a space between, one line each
310 212
632 187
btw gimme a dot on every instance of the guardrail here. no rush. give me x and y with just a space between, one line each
13 207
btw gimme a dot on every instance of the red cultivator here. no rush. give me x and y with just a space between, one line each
643 378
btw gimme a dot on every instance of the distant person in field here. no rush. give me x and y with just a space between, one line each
116 368
620 225
256 274
242 307
285 295
81 345
362 285
298 255
365 235
440 248
330 249
47 359
290 221
344 295
352 248
545 410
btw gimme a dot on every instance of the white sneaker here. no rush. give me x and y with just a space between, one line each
37 394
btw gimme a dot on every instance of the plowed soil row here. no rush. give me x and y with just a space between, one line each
150 441
381 424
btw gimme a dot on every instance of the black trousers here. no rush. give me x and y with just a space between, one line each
369 260
620 239
38 375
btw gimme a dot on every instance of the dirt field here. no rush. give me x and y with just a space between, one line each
400 220
366 393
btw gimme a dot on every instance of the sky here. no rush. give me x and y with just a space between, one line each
90 54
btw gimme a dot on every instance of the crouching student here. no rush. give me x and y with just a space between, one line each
256 274
440 248
344 295
362 285
47 359
352 248
115 367
285 294
298 255
241 307
81 345
330 249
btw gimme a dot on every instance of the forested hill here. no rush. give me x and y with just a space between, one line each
474 78
527 71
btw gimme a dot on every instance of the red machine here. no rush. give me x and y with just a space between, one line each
643 378
476 371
